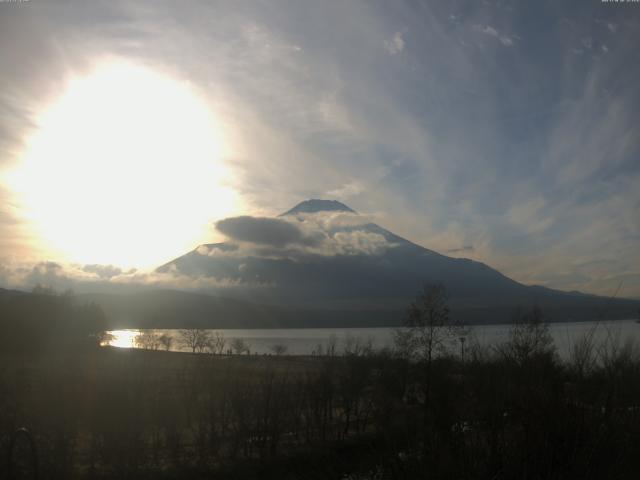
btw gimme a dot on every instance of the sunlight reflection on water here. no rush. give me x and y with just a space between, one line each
122 338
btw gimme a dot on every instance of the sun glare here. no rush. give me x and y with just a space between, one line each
122 338
124 168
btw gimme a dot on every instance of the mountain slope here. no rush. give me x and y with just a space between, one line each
328 257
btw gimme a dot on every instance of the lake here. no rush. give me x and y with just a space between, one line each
308 341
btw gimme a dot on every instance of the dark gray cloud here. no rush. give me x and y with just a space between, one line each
464 248
308 234
264 231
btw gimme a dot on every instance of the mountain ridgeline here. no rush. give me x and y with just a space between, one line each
323 264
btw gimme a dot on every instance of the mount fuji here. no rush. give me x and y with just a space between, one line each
322 264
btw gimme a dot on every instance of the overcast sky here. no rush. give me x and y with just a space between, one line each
506 132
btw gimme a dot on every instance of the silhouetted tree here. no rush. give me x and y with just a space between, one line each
104 338
427 328
239 345
529 337
218 343
166 341
356 346
278 349
427 325
196 339
147 339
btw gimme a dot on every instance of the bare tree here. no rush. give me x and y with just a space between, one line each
357 347
529 337
147 339
197 339
427 328
278 349
427 325
330 349
218 343
239 346
166 341
582 353
205 342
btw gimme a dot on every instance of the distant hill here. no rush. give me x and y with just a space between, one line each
44 321
6 293
330 262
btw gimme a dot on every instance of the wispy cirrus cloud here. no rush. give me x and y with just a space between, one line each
395 44
505 40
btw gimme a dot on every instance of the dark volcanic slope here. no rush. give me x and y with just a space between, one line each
376 280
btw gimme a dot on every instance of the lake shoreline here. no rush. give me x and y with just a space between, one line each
315 341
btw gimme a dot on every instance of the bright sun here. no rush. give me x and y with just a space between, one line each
125 169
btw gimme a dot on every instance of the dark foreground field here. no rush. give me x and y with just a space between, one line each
511 412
